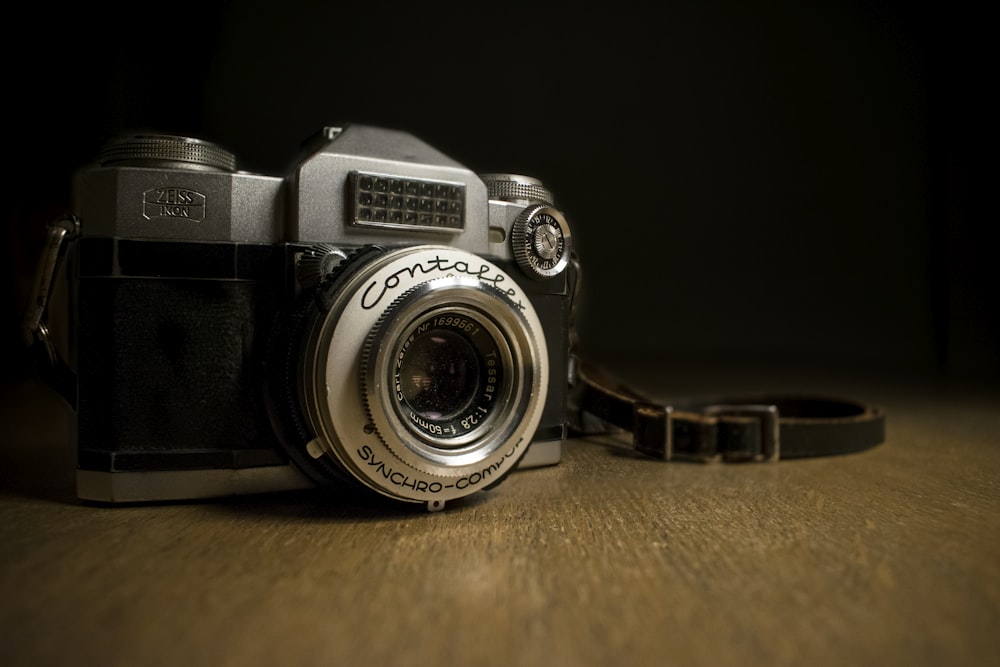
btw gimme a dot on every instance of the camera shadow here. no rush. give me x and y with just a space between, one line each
330 504
36 459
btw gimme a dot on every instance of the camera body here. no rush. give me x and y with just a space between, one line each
381 317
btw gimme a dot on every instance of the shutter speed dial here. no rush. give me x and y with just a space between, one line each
540 241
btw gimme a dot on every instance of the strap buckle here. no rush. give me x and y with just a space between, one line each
735 433
732 433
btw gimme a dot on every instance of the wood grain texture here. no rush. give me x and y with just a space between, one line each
890 557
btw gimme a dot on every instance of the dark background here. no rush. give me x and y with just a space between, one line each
768 182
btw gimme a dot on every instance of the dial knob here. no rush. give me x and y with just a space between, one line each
514 187
167 151
317 262
540 241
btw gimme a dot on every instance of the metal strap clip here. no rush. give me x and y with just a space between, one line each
58 235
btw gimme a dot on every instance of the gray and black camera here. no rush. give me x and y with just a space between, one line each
381 317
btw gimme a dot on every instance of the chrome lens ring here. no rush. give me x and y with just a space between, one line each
342 391
448 374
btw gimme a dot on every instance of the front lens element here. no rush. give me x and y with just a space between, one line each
438 375
448 375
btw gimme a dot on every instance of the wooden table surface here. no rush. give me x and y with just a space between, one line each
889 557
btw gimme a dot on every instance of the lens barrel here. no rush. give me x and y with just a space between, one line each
445 375
425 374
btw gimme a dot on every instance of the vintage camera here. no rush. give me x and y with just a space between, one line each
382 317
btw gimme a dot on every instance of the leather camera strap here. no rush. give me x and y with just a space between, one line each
730 429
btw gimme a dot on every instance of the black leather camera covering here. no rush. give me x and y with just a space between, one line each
173 337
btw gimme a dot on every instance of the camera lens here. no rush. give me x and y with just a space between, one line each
449 375
426 373
441 370
438 375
